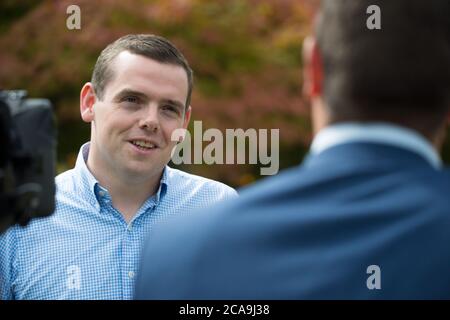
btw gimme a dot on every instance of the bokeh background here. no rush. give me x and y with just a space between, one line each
246 56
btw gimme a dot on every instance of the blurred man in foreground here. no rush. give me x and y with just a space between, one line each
367 215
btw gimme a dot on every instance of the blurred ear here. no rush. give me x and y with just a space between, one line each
312 69
87 101
187 117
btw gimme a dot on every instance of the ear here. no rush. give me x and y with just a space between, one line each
312 69
87 101
187 117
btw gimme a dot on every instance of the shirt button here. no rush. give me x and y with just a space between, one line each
131 274
129 227
101 193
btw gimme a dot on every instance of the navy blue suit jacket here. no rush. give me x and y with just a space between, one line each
312 232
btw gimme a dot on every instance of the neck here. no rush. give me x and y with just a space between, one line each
439 138
321 119
128 193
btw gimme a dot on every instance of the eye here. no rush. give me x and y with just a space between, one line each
170 109
131 99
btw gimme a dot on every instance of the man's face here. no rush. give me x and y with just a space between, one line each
132 125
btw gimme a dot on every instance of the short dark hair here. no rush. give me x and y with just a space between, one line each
148 45
399 74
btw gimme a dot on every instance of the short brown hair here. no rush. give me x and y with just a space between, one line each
399 74
154 47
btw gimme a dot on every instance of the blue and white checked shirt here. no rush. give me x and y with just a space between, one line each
86 250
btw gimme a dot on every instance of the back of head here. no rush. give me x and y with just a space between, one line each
399 73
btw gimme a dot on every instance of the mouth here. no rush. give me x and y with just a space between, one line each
143 145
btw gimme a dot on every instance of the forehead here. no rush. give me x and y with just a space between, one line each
143 74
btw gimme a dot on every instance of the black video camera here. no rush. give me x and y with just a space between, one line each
27 158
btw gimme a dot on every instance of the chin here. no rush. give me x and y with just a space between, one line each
142 172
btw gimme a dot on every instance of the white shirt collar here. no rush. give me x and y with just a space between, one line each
382 133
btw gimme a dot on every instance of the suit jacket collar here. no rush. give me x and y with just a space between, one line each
376 133
368 154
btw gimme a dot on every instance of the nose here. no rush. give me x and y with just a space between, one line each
149 120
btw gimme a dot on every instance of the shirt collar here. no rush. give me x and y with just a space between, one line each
381 133
162 190
90 187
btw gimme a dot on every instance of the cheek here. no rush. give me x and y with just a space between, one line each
119 123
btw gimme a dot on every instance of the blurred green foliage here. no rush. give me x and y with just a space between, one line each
13 10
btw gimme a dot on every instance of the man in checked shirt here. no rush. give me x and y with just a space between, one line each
121 184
